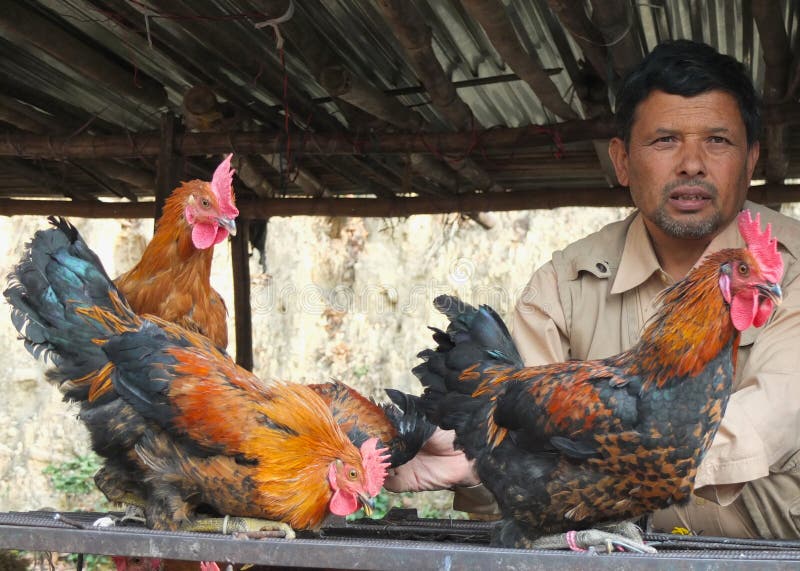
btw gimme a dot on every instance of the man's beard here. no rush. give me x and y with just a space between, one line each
690 229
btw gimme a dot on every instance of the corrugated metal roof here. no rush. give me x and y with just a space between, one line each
217 42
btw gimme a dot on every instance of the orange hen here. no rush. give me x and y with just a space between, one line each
172 280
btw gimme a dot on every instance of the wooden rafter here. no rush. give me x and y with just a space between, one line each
377 207
197 144
615 20
168 161
491 14
43 178
26 25
414 35
573 17
777 57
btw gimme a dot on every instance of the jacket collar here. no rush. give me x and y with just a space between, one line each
639 262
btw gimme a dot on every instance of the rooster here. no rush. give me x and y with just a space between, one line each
571 445
177 422
172 280
400 427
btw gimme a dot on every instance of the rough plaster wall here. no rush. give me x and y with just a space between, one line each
342 298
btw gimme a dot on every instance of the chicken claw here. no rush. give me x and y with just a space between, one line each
604 539
249 527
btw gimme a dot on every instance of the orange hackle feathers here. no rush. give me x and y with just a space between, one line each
300 442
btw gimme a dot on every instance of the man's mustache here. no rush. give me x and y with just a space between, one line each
698 182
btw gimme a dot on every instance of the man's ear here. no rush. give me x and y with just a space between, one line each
619 156
752 159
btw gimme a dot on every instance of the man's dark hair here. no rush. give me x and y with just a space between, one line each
687 68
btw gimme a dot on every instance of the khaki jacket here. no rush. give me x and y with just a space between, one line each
592 301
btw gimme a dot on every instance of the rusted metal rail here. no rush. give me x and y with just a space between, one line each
42 531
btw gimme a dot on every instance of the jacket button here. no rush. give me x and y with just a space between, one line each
602 267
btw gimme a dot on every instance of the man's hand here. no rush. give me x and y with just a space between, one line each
437 466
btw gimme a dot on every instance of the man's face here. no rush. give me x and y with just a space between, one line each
687 163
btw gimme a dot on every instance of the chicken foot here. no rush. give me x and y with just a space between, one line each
624 536
253 528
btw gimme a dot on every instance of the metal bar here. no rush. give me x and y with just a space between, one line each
377 555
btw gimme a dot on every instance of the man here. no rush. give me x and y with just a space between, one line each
688 122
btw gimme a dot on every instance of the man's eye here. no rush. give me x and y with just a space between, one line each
665 139
718 140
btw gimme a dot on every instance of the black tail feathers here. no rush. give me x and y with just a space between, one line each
50 290
411 424
475 338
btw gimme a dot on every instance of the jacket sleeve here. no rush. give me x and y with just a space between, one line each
760 430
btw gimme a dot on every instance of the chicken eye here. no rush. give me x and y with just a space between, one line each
743 269
205 203
352 474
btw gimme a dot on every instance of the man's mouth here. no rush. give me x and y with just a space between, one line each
689 199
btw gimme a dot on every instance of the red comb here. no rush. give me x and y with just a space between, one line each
375 464
763 247
222 186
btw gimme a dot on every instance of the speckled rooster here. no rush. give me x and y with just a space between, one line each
571 445
178 423
173 278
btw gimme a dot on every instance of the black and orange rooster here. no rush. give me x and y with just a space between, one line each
172 280
400 426
177 422
572 445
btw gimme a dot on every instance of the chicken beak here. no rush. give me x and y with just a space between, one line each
771 291
229 224
367 503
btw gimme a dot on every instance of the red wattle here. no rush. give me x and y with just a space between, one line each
743 309
343 503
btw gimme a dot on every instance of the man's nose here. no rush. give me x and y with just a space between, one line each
692 159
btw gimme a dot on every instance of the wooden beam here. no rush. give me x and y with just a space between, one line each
168 162
615 20
27 27
492 16
135 145
340 83
76 208
250 169
382 208
573 18
31 119
777 59
240 258
38 175
414 35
